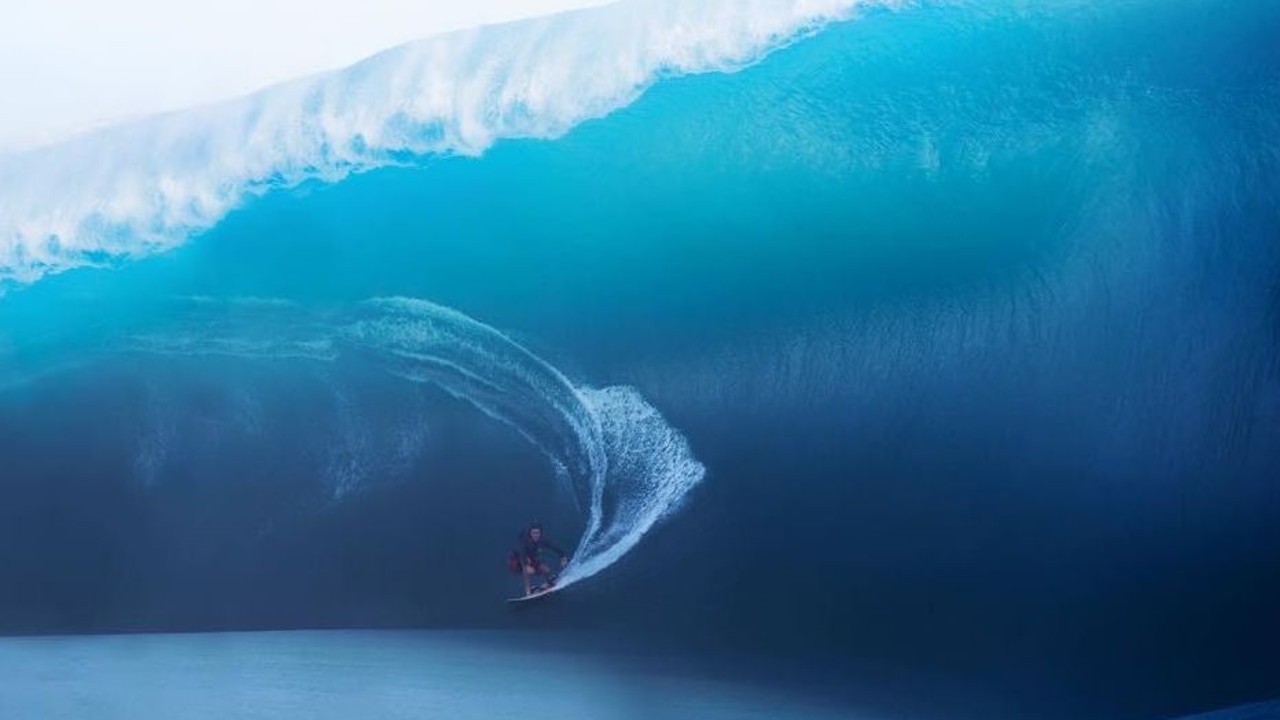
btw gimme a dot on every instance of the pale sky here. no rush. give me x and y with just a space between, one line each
69 65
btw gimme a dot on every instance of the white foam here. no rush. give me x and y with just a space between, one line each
68 66
137 189
625 466
650 474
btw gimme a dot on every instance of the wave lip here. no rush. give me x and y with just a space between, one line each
134 190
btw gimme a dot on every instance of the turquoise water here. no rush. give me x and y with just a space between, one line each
939 336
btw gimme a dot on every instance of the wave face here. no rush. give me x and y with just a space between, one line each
626 467
969 310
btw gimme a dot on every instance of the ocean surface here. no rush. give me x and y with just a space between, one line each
876 359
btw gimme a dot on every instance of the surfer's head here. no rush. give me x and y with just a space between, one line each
535 532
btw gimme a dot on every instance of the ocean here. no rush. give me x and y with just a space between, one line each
928 351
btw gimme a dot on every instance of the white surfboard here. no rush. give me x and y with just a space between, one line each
535 595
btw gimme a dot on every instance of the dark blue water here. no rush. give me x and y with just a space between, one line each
971 314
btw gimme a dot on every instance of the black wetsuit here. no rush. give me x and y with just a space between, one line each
529 549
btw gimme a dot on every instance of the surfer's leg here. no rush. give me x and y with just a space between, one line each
546 573
526 575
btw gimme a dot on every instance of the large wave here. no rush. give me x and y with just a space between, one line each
133 190
626 467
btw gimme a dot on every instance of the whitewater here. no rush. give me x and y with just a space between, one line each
133 190
624 466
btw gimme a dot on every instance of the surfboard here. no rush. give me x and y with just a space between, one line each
534 596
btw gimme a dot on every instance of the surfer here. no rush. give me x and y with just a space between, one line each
529 552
